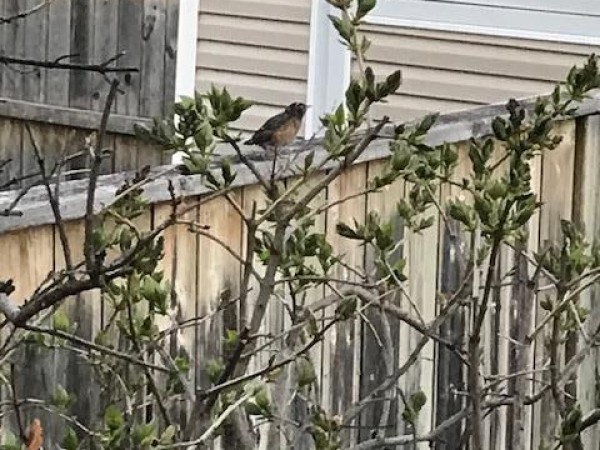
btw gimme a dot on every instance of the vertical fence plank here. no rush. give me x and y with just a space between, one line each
58 44
10 149
130 42
125 153
14 45
85 314
421 269
314 295
556 195
180 267
344 342
381 416
523 306
153 38
218 282
170 55
105 35
28 259
453 256
254 199
35 35
587 214
82 46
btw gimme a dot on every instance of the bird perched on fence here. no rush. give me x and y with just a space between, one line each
281 129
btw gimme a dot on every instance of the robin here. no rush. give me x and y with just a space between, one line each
281 129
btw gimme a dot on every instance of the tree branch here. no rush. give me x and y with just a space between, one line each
96 154
24 14
102 68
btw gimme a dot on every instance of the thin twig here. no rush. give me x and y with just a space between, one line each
54 201
94 347
15 403
27 12
101 68
90 259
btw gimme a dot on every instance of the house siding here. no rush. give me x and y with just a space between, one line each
448 71
258 49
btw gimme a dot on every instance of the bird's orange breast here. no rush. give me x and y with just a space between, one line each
286 133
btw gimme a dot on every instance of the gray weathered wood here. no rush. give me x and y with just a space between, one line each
105 46
59 30
374 369
153 36
10 143
92 31
170 56
14 40
586 212
130 42
82 42
35 26
63 115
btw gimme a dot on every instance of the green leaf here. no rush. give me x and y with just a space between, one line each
364 8
231 338
393 81
143 435
168 435
113 418
253 409
61 398
346 308
426 124
344 27
305 372
262 399
70 441
461 212
499 127
61 321
344 230
418 400
214 369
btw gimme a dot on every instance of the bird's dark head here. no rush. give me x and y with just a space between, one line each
296 110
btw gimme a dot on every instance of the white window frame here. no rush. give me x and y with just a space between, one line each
328 68
533 19
185 68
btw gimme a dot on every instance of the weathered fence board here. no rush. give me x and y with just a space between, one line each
587 212
92 32
88 32
57 141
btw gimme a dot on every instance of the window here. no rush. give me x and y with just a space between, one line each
576 21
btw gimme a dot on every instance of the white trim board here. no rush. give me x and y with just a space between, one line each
534 19
187 43
328 67
187 39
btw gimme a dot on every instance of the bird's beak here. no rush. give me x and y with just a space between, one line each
308 106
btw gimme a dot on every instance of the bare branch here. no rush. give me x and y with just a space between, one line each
95 169
26 13
54 200
102 68
80 342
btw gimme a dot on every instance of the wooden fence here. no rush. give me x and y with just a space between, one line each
58 100
349 362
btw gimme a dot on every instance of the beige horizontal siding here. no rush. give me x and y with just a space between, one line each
258 49
278 10
446 71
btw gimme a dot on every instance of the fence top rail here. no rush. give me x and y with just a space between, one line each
35 210
69 117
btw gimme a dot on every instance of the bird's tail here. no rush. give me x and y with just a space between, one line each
250 142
